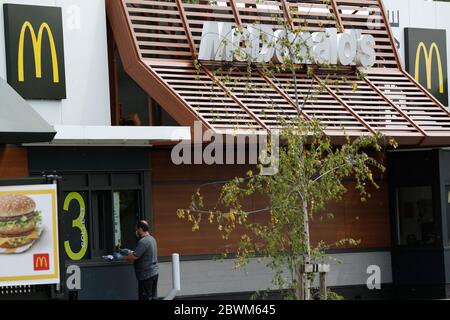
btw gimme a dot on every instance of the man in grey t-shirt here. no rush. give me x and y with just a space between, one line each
145 259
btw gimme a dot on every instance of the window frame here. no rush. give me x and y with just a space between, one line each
436 218
114 185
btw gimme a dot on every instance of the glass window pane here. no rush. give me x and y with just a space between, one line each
448 214
126 215
100 210
416 221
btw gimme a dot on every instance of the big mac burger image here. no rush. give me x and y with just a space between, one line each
18 221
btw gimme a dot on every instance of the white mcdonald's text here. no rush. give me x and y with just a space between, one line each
223 41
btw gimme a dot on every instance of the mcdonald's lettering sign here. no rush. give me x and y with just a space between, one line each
426 60
35 51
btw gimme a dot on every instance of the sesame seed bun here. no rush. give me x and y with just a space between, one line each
14 206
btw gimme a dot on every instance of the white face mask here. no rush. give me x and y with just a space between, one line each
137 234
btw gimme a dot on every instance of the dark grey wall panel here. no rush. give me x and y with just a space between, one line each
108 281
87 158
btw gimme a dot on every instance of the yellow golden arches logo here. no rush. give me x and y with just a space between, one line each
41 263
429 53
37 49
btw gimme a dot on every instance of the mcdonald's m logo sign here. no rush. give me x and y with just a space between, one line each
426 60
41 262
35 51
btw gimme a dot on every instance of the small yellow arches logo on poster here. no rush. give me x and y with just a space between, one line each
41 262
37 49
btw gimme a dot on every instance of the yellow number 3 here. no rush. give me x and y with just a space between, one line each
79 224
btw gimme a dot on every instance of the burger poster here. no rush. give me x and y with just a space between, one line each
28 235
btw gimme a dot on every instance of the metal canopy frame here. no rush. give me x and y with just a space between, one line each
158 43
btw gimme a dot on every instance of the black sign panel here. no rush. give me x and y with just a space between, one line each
74 224
426 60
35 51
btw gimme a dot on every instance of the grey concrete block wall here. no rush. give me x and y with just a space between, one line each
216 277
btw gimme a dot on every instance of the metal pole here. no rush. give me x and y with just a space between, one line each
176 271
54 178
176 278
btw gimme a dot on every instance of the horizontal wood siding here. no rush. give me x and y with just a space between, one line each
173 186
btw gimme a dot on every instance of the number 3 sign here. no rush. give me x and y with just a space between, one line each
78 223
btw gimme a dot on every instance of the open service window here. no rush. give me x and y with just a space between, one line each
447 214
100 211
126 213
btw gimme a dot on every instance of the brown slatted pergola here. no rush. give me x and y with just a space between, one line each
158 42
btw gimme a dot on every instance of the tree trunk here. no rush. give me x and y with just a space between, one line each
307 259
323 286
300 290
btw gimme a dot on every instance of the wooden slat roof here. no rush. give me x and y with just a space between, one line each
159 40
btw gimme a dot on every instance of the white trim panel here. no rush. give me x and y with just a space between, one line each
107 135
213 277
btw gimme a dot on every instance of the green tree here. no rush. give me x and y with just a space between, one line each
311 174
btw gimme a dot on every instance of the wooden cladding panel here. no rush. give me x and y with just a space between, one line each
367 16
162 38
268 13
158 29
259 96
318 103
173 186
367 222
175 235
164 171
160 33
312 15
370 106
197 14
206 97
413 101
13 163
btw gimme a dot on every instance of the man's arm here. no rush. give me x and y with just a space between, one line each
131 257
140 249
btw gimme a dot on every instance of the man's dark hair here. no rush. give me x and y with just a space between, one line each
143 225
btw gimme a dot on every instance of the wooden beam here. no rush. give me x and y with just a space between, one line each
390 34
283 94
235 99
113 79
287 13
392 104
338 15
237 16
426 92
187 28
